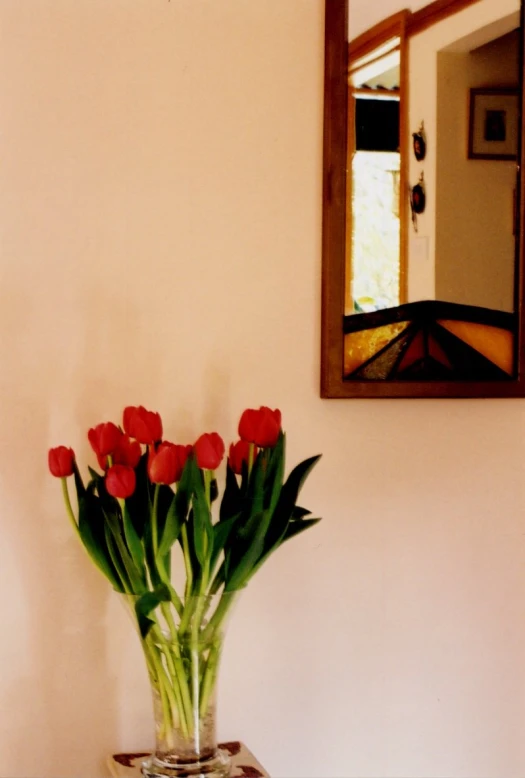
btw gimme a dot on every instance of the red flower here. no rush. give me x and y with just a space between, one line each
60 460
209 450
127 452
165 465
120 481
261 427
145 426
104 438
239 453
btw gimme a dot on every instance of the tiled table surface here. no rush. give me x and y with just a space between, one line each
243 763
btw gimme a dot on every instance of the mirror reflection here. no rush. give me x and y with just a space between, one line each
432 226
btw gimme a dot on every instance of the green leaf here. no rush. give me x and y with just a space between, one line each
232 498
275 474
255 490
172 528
94 475
178 510
202 524
296 527
79 484
91 529
135 576
300 513
221 534
132 540
251 544
287 503
139 504
150 555
147 603
284 511
116 560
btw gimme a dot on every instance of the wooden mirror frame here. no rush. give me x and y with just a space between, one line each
334 227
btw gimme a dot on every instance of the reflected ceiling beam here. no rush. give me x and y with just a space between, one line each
435 12
376 36
415 22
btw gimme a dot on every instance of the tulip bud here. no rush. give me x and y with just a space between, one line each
240 453
166 464
209 450
60 461
261 427
145 426
104 438
120 481
127 452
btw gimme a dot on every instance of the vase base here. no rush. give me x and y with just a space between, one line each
217 766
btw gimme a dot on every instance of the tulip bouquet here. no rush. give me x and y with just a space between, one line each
150 498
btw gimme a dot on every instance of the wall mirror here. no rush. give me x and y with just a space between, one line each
423 203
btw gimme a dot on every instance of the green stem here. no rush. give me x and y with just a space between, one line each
218 580
187 561
172 708
175 668
208 477
162 688
209 678
205 574
219 614
154 539
69 509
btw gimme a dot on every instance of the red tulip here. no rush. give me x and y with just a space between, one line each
209 450
60 460
120 481
240 453
127 452
145 426
261 427
104 438
166 464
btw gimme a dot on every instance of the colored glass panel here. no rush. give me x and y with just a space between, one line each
360 346
383 365
468 363
437 353
496 344
415 352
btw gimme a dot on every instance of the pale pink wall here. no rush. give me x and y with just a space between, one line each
160 223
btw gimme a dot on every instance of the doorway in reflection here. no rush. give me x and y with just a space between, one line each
482 63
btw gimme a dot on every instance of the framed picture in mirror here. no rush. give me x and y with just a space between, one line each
493 123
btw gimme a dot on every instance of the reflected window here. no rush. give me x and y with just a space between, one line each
373 278
376 233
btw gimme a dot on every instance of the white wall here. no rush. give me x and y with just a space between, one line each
160 226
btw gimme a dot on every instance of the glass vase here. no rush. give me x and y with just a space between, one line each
182 647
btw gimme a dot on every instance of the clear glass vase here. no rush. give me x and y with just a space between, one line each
182 648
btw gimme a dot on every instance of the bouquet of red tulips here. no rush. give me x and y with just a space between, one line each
150 497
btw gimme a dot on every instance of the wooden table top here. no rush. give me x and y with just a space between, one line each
243 762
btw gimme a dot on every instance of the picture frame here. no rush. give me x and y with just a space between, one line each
494 123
